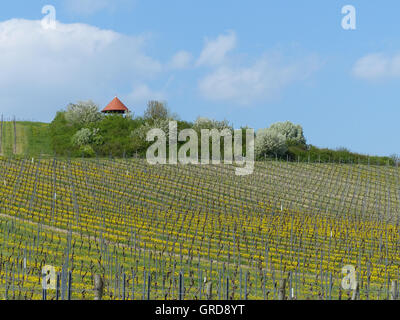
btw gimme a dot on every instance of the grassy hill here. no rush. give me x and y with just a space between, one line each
125 219
32 139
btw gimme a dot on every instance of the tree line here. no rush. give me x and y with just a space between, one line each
82 130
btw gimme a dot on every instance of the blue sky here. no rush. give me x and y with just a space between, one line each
251 62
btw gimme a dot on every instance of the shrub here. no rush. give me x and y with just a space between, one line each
87 151
87 136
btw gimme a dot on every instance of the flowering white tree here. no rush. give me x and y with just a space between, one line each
83 113
290 131
205 123
269 142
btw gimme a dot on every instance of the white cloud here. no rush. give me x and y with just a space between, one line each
263 79
377 66
214 51
181 60
87 7
45 68
142 93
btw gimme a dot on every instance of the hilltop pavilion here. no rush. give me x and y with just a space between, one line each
115 106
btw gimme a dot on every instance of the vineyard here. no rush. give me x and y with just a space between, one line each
197 232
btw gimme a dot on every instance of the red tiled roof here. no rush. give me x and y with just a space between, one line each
115 105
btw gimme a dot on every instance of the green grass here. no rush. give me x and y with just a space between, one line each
33 139
38 138
7 141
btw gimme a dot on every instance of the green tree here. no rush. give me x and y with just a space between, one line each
60 136
116 132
